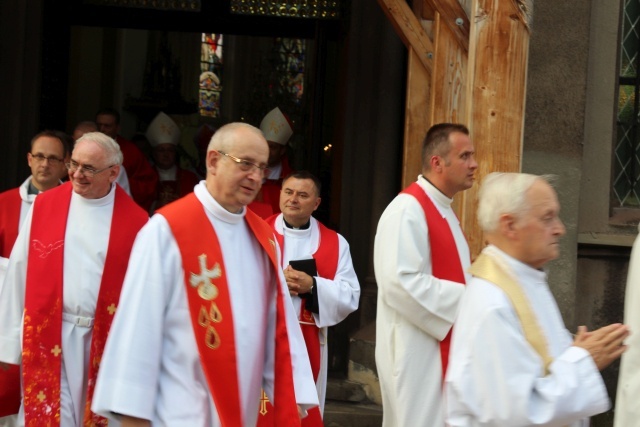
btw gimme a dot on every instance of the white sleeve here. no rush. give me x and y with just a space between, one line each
12 293
402 262
339 297
627 411
495 378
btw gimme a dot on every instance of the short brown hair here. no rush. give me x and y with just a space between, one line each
436 142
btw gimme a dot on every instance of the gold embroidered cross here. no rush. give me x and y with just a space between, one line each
111 309
206 289
56 350
263 403
41 396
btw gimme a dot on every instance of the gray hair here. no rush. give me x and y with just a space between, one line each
224 138
504 193
110 147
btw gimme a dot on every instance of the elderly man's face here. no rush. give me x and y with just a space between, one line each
540 228
229 184
46 161
91 174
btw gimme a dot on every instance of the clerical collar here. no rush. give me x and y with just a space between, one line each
32 189
303 227
434 186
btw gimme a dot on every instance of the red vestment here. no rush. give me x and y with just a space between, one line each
443 246
326 257
10 206
170 191
143 178
42 340
211 315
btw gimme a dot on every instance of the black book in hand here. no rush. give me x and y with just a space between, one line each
305 265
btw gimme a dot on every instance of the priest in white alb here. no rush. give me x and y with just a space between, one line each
46 159
317 265
420 257
63 285
205 321
513 363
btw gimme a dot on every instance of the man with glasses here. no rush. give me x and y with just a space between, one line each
205 319
49 149
63 285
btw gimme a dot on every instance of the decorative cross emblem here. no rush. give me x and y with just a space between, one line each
263 403
111 309
41 396
56 351
206 289
208 292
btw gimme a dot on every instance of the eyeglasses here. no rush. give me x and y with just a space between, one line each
85 170
247 166
39 158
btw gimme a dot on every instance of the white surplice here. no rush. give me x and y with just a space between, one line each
151 366
337 298
26 200
495 378
85 249
415 310
627 413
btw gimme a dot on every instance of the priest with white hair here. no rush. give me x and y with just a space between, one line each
63 285
512 362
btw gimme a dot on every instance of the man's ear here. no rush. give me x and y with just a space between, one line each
435 162
507 224
212 160
114 172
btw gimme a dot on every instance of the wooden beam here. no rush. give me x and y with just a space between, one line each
498 56
454 16
410 31
418 117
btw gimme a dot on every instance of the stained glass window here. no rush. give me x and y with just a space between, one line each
292 57
626 162
210 74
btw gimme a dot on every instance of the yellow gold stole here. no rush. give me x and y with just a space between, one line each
489 268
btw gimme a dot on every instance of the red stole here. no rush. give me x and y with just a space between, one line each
445 262
42 342
10 206
211 314
326 257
